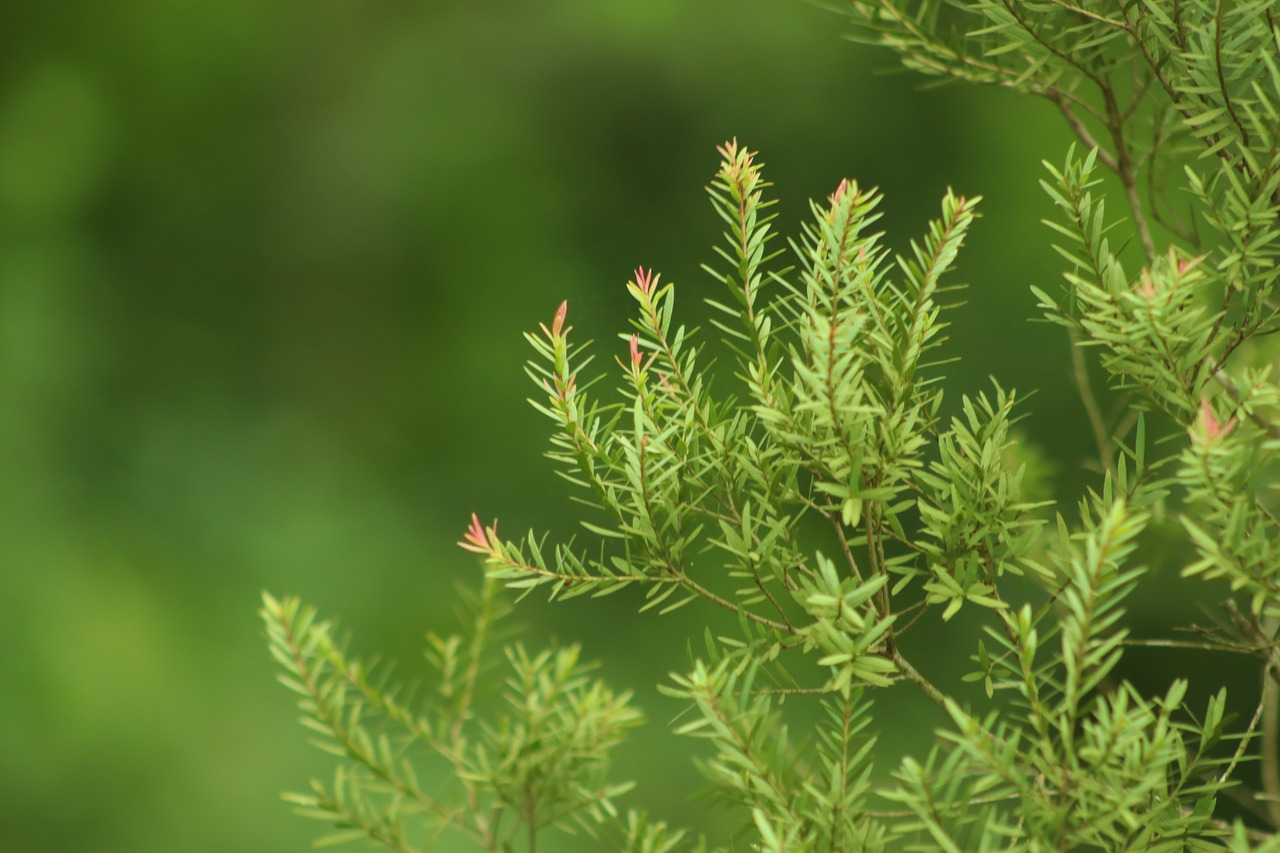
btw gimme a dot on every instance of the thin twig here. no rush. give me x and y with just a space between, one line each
1080 370
913 675
1127 171
1188 644
1079 129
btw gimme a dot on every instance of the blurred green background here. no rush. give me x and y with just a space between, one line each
264 270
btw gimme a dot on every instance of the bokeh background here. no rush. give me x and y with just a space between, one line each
264 270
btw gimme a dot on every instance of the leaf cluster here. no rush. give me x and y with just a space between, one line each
539 759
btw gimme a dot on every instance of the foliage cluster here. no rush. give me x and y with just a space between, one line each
825 495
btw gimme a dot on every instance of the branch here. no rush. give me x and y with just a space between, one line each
1059 99
913 675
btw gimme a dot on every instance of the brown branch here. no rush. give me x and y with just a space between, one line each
1080 371
1059 100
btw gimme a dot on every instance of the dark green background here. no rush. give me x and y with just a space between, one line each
264 270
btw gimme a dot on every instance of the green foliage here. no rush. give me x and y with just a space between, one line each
818 490
542 761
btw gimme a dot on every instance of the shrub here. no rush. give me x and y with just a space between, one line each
819 490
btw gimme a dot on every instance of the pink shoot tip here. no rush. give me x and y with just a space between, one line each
646 280
558 323
840 191
1209 423
477 539
1146 286
635 351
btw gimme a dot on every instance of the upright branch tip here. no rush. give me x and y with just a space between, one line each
557 325
838 195
478 539
634 345
646 281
